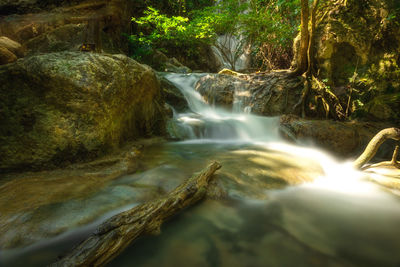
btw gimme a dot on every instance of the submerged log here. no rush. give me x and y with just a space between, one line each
375 143
115 234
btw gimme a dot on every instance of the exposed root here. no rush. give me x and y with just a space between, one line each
392 163
304 96
375 143
330 102
349 102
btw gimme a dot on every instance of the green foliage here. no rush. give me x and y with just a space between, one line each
269 25
173 7
394 16
275 21
170 32
222 18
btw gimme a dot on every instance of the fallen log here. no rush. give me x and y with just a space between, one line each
115 234
375 143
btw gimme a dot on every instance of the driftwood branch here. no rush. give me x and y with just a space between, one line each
375 143
115 234
393 162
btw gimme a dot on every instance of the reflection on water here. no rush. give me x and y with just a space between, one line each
48 249
259 222
273 204
300 226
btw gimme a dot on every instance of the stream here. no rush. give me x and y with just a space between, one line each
276 204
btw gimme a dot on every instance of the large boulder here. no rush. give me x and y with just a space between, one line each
343 139
268 94
62 107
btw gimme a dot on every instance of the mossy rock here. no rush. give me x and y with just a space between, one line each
172 95
64 107
357 45
270 94
384 107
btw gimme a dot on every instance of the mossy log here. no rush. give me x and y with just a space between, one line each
375 143
115 234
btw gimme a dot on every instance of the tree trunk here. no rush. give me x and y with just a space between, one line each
115 234
304 40
310 54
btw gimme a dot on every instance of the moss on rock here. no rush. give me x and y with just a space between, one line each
358 46
63 107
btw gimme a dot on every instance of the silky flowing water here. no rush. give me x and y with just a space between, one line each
274 204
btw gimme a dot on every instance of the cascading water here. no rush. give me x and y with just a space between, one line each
332 217
216 124
231 52
337 194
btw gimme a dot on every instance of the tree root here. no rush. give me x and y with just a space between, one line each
374 144
330 102
303 99
115 234
393 162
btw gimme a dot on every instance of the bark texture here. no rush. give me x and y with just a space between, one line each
304 39
375 143
115 234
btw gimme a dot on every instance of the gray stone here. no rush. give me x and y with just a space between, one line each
62 107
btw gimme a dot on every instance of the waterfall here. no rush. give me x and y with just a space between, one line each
232 52
213 123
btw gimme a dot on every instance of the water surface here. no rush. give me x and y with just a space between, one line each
272 203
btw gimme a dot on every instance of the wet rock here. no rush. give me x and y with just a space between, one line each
229 72
345 139
172 94
9 50
219 89
156 59
202 60
40 205
268 94
51 26
178 130
6 56
173 65
12 46
64 38
263 170
160 62
64 107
